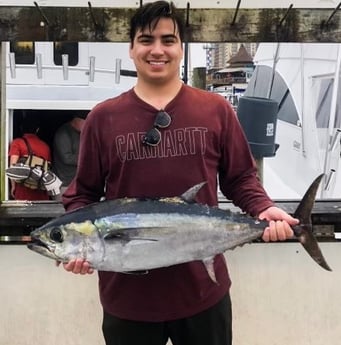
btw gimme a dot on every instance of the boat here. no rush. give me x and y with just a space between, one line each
51 80
304 80
54 80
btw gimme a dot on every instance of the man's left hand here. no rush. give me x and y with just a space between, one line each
279 224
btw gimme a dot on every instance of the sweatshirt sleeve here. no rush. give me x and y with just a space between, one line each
238 177
14 148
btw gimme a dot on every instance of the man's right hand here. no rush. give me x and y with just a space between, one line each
77 266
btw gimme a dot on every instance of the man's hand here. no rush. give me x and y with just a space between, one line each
279 224
77 266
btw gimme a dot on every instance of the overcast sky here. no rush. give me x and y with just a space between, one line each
197 55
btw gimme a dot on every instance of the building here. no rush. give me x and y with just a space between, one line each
231 80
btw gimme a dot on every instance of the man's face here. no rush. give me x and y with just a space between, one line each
157 54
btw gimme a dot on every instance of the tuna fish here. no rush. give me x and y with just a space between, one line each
131 234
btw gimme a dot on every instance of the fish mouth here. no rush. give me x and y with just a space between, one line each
41 247
35 242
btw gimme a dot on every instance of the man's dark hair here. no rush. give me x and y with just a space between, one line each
82 114
148 15
30 124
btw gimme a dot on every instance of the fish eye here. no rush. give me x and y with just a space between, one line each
56 235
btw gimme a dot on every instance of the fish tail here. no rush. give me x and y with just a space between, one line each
304 230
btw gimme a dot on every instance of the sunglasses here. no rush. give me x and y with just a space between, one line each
153 136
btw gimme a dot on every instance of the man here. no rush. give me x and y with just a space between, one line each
18 150
66 148
159 139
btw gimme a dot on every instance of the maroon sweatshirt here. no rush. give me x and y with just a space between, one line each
203 141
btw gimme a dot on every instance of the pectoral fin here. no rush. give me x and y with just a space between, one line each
125 236
137 273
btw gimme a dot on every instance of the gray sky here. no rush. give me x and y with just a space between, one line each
197 55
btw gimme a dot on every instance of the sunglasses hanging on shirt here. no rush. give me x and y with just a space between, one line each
153 136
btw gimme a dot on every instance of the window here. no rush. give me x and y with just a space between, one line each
23 52
65 48
324 104
259 86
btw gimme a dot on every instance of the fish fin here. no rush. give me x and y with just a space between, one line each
136 273
125 237
190 194
209 265
304 230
